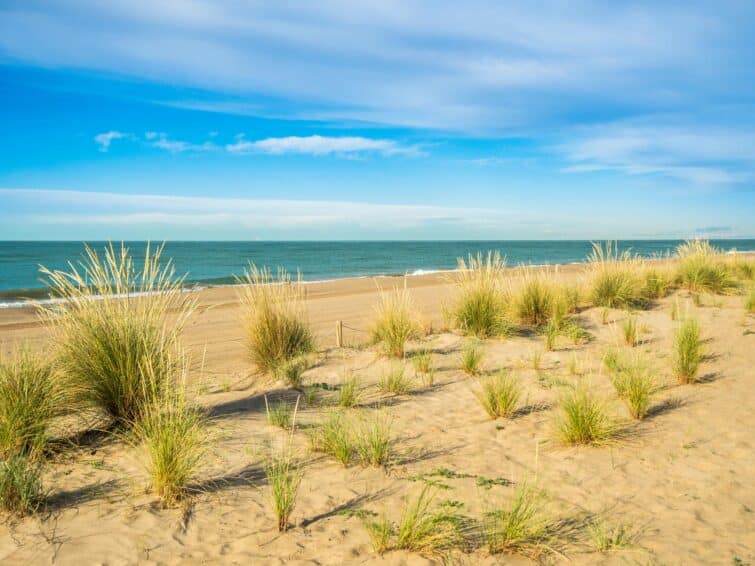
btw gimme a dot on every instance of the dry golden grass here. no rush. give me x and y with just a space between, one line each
395 321
615 280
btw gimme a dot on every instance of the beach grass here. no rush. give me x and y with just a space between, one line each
374 441
615 279
116 327
606 537
20 485
750 301
471 359
395 321
424 367
518 527
426 530
380 531
629 331
534 301
583 419
499 395
279 413
284 475
635 385
277 330
480 306
687 351
702 268
350 391
395 380
334 436
32 396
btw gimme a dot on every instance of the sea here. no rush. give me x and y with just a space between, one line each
208 263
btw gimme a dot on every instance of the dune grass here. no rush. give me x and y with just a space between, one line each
292 371
425 530
350 391
334 436
32 395
688 351
279 413
520 526
750 301
115 326
551 333
395 381
702 269
373 441
583 419
424 367
499 395
173 432
635 385
480 305
20 485
615 281
284 475
629 331
395 322
471 359
380 531
277 330
606 537
534 301
658 282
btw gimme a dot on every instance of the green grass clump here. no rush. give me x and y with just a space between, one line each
395 322
534 302
658 282
350 392
426 531
615 282
174 434
635 385
606 538
499 395
381 531
629 331
373 440
750 301
551 335
519 527
688 351
471 359
284 476
292 371
32 395
583 419
480 305
276 327
280 413
335 437
702 269
116 326
424 367
20 485
395 381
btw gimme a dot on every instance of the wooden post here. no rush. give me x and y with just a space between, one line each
339 334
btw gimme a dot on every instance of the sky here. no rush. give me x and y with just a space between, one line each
230 120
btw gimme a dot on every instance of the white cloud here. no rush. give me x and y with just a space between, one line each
160 140
322 145
106 138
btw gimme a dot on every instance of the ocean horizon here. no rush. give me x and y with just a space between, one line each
212 263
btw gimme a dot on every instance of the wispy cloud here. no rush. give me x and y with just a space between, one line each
104 139
161 140
323 145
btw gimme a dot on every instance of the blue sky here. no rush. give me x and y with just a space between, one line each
373 120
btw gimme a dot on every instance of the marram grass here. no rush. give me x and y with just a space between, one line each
480 305
583 419
535 300
688 351
635 385
277 330
499 395
115 326
20 485
702 269
395 321
32 395
284 475
471 359
615 281
519 527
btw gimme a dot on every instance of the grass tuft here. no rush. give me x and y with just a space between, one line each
519 527
350 392
688 351
373 440
395 322
20 485
424 367
750 301
535 300
615 282
112 329
634 385
629 331
583 419
284 475
292 371
427 531
32 395
499 395
274 318
381 531
606 538
702 268
471 359
395 381
335 437
481 303
279 413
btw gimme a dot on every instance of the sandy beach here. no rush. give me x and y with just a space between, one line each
679 478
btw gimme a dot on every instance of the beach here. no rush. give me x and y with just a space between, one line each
678 478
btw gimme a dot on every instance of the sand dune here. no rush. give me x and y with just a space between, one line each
682 478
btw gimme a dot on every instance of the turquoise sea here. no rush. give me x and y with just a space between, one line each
217 263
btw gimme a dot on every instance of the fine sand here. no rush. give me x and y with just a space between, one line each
683 478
